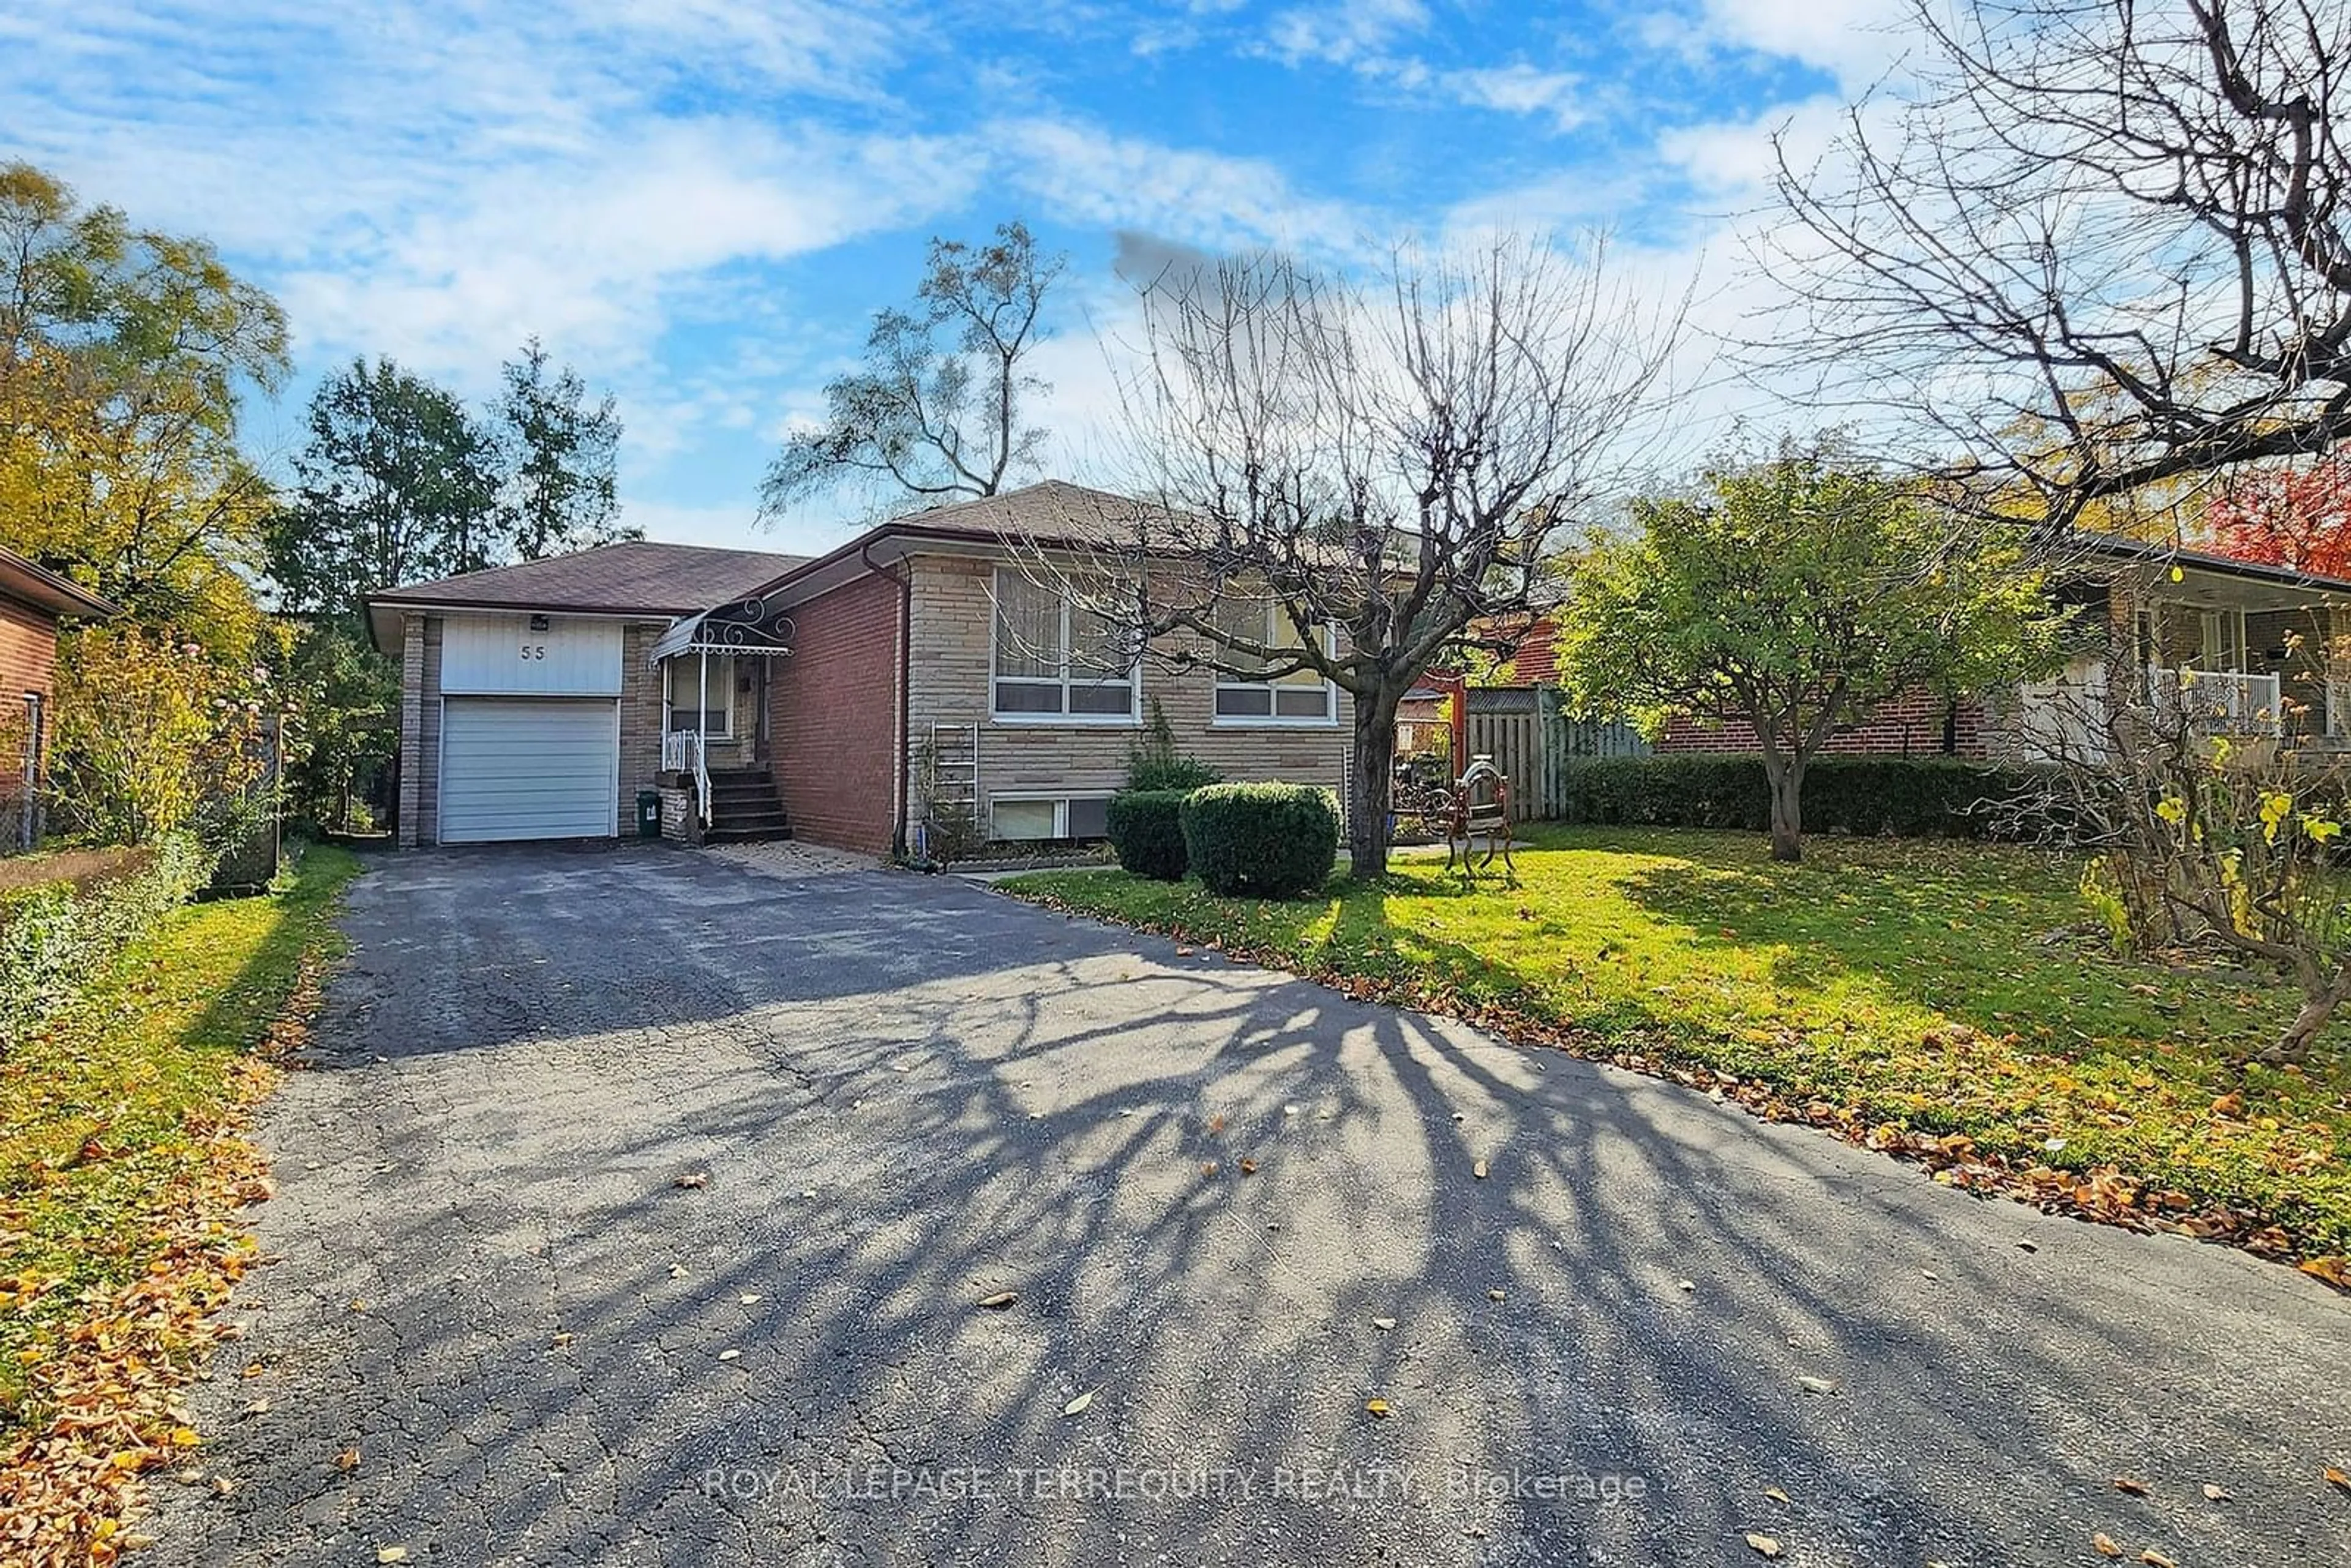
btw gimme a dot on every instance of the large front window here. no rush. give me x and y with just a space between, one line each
1055 661
684 675
1245 695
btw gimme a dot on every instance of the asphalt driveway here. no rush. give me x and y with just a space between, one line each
1236 1208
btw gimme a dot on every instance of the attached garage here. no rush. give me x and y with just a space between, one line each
522 768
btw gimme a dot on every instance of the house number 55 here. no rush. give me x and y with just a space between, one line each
534 651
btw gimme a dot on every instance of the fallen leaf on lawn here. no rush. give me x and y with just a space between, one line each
693 1179
1378 1408
1821 1386
2335 1271
2130 1484
347 1460
998 1302
2336 1477
2154 1559
2103 1545
2230 1104
1078 1407
1384 1323
223 1486
1479 1170
1217 1123
258 1408
730 1356
2215 1494
1764 1544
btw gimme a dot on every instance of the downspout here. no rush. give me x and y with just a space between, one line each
898 720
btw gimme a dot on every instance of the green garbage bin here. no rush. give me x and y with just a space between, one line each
649 814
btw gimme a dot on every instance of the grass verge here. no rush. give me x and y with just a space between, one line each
122 1161
1945 1002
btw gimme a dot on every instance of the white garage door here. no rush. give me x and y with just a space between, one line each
519 767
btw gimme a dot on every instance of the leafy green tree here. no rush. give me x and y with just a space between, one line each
342 717
398 481
125 355
1793 596
935 414
562 490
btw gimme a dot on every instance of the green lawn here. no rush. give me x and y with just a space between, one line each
112 1119
1936 988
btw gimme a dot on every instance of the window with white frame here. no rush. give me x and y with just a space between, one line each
1054 661
1014 818
683 675
1301 697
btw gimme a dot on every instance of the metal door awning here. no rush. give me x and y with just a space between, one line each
745 626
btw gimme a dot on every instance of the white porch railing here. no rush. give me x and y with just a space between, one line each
683 752
2227 700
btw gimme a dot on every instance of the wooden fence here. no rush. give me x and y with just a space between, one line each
1531 740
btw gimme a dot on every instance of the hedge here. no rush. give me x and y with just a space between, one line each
1937 797
57 936
1146 830
1263 841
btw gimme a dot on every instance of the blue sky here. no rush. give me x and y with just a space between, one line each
699 202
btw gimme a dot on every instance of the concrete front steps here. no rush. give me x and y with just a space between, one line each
745 807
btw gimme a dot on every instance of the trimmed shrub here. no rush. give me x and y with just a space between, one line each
1924 797
1146 831
56 936
1265 841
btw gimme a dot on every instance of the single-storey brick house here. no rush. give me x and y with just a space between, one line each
33 601
919 676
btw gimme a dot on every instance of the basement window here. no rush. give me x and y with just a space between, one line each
1015 819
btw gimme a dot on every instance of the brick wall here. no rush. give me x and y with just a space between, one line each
641 717
832 706
411 829
28 657
1911 725
950 683
428 745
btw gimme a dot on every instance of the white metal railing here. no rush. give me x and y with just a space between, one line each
683 752
2227 700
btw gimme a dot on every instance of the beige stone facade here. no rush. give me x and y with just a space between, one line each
949 684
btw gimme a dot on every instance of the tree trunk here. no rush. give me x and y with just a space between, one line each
1370 786
1787 782
2317 1006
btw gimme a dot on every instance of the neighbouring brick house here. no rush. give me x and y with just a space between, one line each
33 601
917 676
2252 642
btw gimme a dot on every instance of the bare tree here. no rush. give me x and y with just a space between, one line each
1338 483
935 414
2205 833
2098 245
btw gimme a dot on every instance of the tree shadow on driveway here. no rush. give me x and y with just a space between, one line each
1209 1186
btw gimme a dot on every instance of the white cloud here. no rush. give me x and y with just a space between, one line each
1090 177
1345 33
1855 40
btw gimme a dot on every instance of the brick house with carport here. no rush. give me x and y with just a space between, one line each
921 673
34 601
